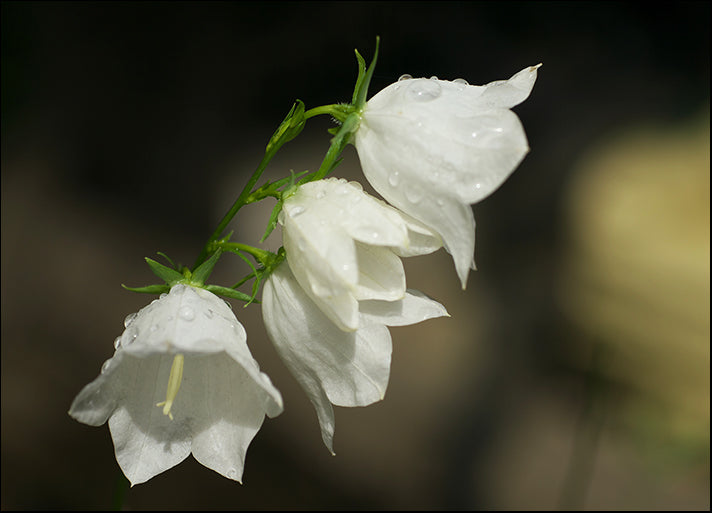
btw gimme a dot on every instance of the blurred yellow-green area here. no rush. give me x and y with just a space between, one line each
574 370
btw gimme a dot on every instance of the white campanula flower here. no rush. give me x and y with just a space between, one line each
182 381
433 147
344 368
343 246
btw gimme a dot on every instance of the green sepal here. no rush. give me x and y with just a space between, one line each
149 289
228 292
203 271
170 276
160 253
292 125
272 223
364 77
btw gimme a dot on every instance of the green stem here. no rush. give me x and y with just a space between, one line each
338 144
240 202
262 256
338 111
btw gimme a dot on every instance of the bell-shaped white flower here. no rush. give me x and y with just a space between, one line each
433 147
344 368
343 246
182 380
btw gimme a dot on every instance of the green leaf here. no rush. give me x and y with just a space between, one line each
203 271
227 292
272 223
364 78
149 289
360 78
174 266
167 274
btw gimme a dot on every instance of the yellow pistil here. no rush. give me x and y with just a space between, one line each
174 381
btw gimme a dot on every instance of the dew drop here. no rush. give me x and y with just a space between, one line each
460 81
129 319
320 194
433 77
229 305
356 186
105 366
413 193
296 211
393 178
186 313
117 343
405 76
164 294
130 336
424 90
208 313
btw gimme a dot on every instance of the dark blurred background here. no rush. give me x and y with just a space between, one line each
574 372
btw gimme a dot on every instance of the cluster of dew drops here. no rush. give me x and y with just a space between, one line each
185 313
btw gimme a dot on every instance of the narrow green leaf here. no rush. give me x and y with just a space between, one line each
167 258
360 98
170 276
360 78
149 289
272 223
227 292
203 271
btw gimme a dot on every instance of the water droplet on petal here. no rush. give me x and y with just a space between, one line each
129 319
405 76
433 77
117 343
356 185
460 81
229 305
320 194
105 366
186 313
393 178
424 90
413 193
129 336
296 211
209 313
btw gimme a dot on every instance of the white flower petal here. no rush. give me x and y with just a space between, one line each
415 307
349 368
146 441
427 144
422 240
215 412
229 414
381 274
508 93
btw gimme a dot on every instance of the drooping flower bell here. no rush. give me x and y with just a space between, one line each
343 246
433 147
182 381
327 308
333 366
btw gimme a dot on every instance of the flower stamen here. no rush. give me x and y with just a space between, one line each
174 381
